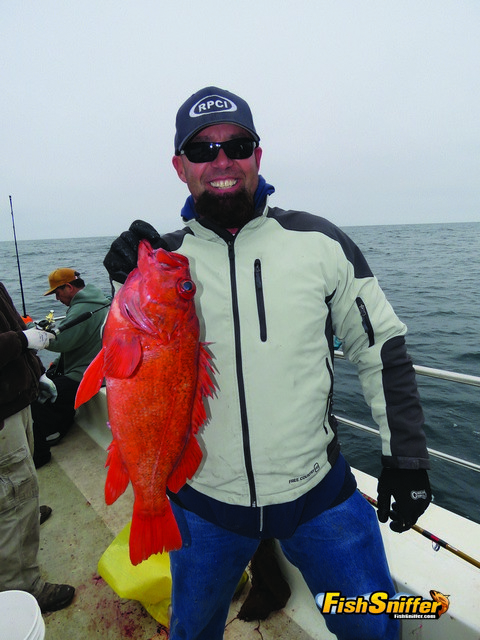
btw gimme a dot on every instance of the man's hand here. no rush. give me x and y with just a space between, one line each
411 491
38 339
48 390
122 257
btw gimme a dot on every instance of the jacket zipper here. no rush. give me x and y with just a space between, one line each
330 396
240 380
366 324
260 300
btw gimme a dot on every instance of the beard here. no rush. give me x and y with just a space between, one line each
227 210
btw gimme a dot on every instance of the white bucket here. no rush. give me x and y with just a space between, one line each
20 617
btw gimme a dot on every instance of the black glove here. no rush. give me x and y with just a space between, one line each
411 490
122 257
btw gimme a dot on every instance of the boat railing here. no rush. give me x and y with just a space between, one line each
431 373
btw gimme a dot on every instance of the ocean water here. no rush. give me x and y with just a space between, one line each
431 275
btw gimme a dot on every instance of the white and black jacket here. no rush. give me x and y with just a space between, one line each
269 301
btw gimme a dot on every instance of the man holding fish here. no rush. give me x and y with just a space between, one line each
273 288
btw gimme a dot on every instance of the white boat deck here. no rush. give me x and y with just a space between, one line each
82 526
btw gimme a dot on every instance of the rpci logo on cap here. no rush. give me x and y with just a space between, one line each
211 104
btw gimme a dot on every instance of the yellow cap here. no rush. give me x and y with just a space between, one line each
59 277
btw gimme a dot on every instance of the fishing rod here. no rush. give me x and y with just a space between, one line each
49 323
431 536
18 259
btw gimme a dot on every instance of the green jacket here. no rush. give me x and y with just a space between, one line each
81 343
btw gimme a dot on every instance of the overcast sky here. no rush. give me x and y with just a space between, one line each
368 110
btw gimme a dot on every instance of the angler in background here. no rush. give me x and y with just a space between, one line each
78 345
22 379
273 289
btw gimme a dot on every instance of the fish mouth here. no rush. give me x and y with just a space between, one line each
171 259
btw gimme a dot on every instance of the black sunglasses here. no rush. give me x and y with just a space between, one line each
236 149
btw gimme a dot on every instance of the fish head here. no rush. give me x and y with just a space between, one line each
166 274
443 599
160 291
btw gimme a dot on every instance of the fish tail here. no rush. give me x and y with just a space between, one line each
153 533
117 476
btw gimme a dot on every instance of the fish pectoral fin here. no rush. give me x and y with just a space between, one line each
92 379
117 476
186 466
153 533
123 355
205 387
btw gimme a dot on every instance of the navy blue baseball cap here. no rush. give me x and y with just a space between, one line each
211 106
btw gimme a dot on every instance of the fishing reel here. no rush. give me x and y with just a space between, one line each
48 324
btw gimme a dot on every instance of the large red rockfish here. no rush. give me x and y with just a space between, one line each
157 373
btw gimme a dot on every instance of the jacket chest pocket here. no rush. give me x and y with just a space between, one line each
258 280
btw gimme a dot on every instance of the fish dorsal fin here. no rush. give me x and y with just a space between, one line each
92 379
205 387
123 355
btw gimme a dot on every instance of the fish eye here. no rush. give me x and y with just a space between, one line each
186 288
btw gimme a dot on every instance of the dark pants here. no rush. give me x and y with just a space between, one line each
340 550
53 417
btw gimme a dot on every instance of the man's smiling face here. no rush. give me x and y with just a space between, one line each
223 176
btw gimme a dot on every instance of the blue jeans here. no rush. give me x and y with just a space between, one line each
339 550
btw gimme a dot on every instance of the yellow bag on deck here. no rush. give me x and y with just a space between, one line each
149 582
